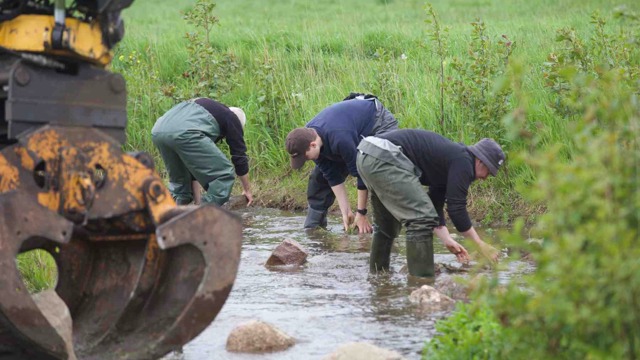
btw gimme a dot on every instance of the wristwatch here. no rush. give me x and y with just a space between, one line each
362 211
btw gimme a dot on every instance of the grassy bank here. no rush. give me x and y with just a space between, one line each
284 61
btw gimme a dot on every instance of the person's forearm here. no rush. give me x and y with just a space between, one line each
442 232
244 180
197 192
362 198
473 235
340 192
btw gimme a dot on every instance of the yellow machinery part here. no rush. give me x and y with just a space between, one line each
32 33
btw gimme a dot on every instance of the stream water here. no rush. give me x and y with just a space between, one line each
331 300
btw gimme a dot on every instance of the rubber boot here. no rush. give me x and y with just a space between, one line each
182 201
380 252
420 254
315 219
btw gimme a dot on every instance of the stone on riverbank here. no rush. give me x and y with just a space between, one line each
362 351
258 337
289 252
431 300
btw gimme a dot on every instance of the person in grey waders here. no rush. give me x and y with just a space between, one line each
186 137
395 166
330 139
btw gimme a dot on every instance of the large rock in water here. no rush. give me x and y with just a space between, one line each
235 203
289 252
429 299
57 313
453 288
459 288
258 337
362 351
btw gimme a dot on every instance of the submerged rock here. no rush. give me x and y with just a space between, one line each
431 300
437 268
452 288
362 351
289 252
258 337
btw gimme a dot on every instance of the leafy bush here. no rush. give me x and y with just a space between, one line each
210 72
469 83
605 50
582 301
471 333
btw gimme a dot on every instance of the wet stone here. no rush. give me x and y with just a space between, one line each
289 252
431 300
235 203
362 351
258 337
452 288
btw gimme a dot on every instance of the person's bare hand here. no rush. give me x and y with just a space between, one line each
362 223
347 220
489 252
249 197
458 250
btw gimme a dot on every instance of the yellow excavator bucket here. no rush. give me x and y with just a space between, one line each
138 276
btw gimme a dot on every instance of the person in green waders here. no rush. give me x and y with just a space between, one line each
395 166
186 137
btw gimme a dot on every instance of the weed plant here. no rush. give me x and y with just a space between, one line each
582 300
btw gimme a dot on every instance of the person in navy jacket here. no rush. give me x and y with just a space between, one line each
331 139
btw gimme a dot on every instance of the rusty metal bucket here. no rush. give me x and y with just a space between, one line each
139 276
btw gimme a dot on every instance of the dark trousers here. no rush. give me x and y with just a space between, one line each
320 197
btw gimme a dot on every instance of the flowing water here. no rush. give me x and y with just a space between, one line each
331 300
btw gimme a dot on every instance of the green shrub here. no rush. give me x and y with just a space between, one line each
471 333
582 300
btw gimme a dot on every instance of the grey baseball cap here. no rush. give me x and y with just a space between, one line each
490 153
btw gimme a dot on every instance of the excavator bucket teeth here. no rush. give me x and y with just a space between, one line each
24 330
180 285
138 276
202 247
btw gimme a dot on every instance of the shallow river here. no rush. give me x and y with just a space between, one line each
330 301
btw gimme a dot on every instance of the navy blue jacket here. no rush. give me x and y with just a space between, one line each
341 126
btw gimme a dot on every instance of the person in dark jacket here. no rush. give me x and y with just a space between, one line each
396 165
186 137
330 139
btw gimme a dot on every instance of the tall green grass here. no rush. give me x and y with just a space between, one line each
38 270
319 51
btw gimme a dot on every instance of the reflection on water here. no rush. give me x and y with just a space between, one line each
331 300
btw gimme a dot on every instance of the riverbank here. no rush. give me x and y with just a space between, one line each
284 62
487 205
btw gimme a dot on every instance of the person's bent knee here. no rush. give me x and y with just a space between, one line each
421 225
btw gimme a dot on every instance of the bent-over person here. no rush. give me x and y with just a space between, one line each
186 137
395 166
331 139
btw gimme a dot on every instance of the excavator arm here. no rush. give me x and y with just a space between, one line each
138 275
